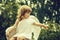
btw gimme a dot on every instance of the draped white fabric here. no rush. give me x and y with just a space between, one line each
25 28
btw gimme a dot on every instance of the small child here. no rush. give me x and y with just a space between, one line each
26 24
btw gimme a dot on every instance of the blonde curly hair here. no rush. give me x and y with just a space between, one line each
22 10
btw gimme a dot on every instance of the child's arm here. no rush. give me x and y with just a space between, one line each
11 29
41 25
14 26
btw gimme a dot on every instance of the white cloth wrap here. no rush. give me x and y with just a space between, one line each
25 28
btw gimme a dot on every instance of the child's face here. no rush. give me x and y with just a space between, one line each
27 14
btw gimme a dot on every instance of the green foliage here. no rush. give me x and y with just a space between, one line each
52 33
9 12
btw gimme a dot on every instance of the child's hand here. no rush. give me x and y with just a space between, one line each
46 26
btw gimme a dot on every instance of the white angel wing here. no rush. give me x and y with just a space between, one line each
35 18
36 29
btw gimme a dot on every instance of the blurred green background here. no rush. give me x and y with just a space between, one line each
47 11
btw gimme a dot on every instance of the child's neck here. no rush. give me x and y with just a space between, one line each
25 18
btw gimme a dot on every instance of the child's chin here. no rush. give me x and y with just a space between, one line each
27 17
